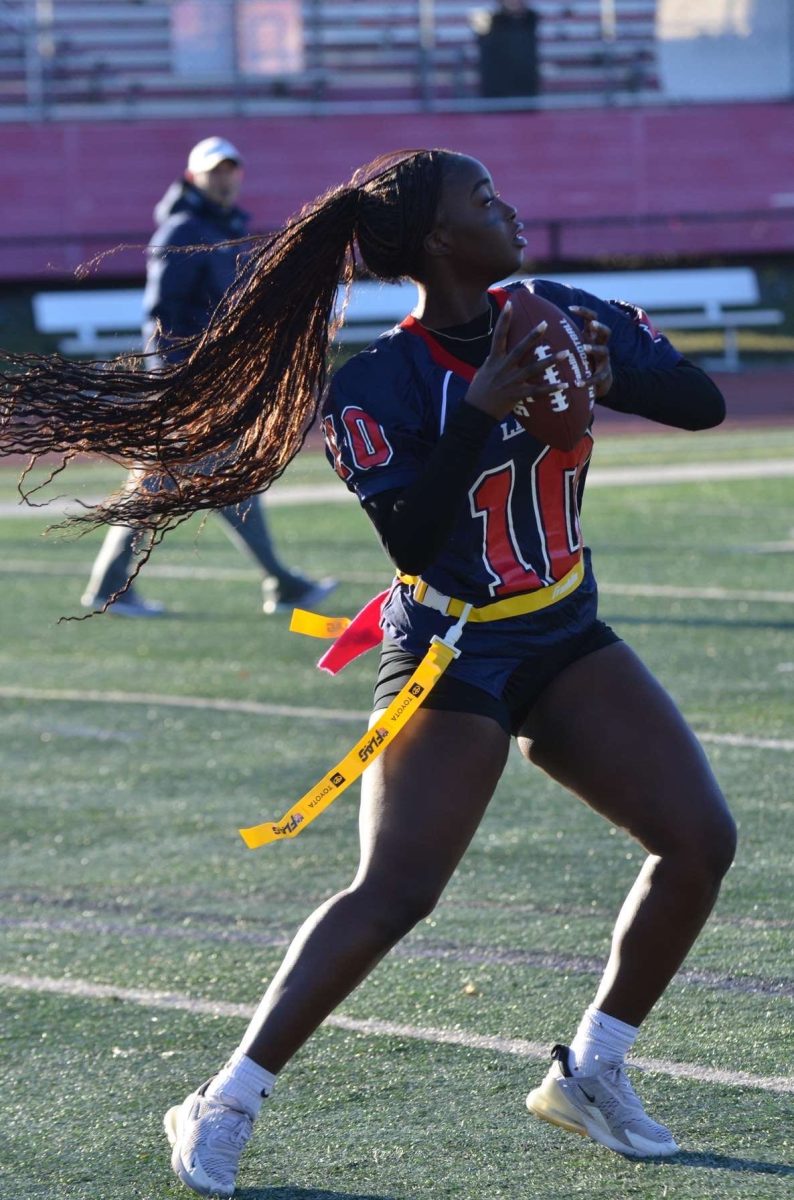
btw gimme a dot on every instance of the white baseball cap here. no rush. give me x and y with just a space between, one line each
211 151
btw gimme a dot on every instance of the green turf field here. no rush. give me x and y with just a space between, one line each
125 779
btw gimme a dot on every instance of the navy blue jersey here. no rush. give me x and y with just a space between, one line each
518 527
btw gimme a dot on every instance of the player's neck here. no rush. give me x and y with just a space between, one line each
440 309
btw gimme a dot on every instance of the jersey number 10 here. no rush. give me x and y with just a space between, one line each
551 527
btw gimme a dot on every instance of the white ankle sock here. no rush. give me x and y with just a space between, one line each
244 1082
600 1040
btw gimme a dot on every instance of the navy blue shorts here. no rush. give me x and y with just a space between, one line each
520 692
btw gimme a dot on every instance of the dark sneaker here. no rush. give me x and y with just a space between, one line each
603 1106
126 605
282 595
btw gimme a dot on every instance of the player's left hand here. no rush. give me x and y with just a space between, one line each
595 336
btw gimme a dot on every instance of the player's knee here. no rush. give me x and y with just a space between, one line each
720 844
394 907
715 835
709 844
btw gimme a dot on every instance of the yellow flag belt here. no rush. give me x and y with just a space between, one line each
365 751
435 662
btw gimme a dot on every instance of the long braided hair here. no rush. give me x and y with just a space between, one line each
225 422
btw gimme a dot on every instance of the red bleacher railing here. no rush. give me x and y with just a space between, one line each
599 243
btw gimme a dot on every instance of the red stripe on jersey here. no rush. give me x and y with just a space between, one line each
438 352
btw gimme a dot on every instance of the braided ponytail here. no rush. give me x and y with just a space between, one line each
225 422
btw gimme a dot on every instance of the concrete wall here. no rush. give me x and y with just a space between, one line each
71 190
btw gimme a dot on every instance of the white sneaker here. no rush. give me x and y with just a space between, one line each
603 1106
208 1138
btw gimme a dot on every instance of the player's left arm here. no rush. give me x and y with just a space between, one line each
682 396
638 370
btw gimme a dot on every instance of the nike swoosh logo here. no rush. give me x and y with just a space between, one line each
587 1094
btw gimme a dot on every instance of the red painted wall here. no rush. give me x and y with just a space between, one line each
80 187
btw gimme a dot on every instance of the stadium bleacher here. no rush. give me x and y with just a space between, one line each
106 57
99 101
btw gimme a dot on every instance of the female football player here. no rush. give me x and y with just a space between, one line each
420 426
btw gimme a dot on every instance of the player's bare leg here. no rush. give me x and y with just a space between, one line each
421 804
609 732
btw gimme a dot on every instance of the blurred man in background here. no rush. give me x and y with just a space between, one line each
182 291
507 38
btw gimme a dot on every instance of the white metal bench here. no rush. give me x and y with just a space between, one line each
96 322
102 322
723 298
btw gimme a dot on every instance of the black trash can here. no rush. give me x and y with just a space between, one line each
509 55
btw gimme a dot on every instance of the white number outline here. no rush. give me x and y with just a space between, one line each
573 531
361 417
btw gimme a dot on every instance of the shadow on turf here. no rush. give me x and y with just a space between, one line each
277 1193
719 1162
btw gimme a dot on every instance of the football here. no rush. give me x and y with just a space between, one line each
559 419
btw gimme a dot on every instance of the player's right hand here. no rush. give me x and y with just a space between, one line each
510 376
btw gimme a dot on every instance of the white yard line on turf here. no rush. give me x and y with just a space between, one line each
330 493
153 700
180 927
48 566
750 743
257 708
83 989
34 566
707 472
321 493
673 592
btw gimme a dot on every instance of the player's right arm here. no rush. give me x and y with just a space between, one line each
382 439
510 377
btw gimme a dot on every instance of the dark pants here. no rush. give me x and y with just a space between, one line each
244 523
